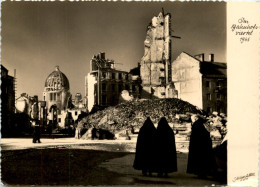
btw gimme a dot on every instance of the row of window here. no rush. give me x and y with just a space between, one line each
113 100
112 75
217 109
120 87
209 84
218 96
54 96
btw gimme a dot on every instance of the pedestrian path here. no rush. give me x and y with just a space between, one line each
124 166
26 143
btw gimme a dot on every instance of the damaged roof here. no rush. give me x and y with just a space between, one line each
213 68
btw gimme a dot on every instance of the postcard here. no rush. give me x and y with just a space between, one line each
130 93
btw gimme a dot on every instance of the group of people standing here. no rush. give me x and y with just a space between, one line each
156 149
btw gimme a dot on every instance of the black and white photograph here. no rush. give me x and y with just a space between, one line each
103 93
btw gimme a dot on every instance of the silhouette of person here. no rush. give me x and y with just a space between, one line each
36 133
201 160
145 148
166 157
34 112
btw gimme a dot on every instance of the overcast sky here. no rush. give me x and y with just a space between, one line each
37 36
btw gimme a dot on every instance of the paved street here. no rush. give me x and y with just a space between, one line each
113 165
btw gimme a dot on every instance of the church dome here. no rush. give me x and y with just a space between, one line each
57 81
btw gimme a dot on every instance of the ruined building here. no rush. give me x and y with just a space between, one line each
104 84
156 62
8 101
200 82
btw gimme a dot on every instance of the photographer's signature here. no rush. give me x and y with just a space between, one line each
244 177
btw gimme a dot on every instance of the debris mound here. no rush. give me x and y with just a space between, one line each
132 114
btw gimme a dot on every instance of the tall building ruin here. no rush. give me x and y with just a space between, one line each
104 84
156 62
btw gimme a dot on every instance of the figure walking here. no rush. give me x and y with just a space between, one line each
201 159
166 157
144 155
79 127
35 122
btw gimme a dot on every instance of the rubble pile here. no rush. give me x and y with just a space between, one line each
217 126
132 114
129 116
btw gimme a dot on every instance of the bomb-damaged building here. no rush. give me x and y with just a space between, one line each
190 78
104 83
200 82
156 62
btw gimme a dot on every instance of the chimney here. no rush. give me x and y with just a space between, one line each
211 57
200 57
102 55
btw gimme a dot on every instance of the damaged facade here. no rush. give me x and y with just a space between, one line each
202 83
104 84
8 100
156 62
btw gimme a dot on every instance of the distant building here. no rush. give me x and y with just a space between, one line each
57 90
202 83
78 101
104 83
156 62
7 101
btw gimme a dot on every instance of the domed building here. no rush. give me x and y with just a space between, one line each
56 91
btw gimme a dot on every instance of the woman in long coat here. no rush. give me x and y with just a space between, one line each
201 159
166 156
145 148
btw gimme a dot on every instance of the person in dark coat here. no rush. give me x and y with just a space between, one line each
166 157
34 112
36 132
201 159
145 148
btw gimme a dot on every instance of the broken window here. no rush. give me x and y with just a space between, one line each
113 75
104 75
133 88
113 86
208 96
104 99
218 109
120 75
218 84
218 96
104 86
119 88
207 84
